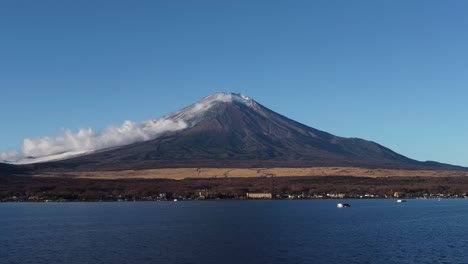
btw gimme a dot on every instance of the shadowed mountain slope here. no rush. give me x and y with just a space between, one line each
6 169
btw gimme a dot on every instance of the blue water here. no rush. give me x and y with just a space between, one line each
313 231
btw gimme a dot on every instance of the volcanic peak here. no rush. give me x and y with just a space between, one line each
229 130
227 98
191 114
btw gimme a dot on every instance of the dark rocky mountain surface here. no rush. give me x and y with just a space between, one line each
14 169
232 130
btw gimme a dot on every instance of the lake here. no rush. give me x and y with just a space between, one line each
305 231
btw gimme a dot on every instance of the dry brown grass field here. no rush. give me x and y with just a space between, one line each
184 173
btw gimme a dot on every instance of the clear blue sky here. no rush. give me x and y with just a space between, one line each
395 72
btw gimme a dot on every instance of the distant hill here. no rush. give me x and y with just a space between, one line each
232 130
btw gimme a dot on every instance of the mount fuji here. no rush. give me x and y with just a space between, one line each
226 130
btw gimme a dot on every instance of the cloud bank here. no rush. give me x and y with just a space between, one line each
87 139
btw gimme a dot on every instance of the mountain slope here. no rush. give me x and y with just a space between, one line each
6 169
232 130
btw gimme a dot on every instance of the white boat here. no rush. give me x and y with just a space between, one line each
401 201
342 205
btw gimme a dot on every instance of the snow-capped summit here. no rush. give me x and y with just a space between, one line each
191 114
227 98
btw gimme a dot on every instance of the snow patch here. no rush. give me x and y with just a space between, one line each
228 98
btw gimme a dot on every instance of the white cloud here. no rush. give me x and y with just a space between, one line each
10 155
86 139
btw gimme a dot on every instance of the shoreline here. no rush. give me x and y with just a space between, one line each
35 189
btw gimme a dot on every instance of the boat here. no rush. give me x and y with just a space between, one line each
343 205
401 201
